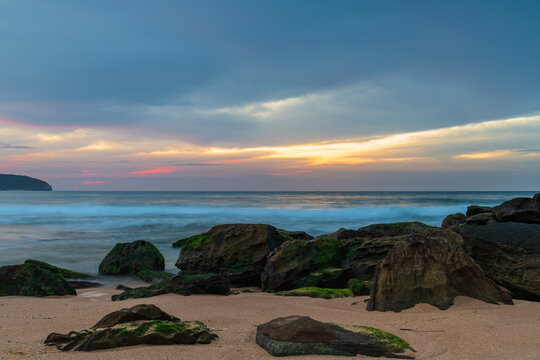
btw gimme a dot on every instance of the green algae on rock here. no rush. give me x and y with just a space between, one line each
153 276
383 338
32 280
58 270
131 258
141 324
317 292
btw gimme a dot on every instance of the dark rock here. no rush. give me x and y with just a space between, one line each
480 219
298 263
137 312
21 182
301 335
430 267
317 292
453 219
123 287
57 270
509 253
131 258
392 229
153 276
182 284
32 280
296 235
475 210
522 210
358 287
84 284
237 251
142 324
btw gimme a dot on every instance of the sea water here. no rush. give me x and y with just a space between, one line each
76 229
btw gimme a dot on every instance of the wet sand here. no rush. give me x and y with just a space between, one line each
470 329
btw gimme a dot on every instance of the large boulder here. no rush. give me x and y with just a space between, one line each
181 284
509 253
302 335
480 219
131 258
58 270
237 251
523 210
453 219
298 263
430 267
475 210
142 324
379 230
32 280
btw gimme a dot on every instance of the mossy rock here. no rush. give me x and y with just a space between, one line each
58 270
32 280
193 242
151 326
394 229
388 340
153 276
132 258
358 287
317 292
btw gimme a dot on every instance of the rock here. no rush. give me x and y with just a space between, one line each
57 270
358 287
392 229
298 263
430 267
479 219
453 219
475 210
32 280
237 251
142 324
123 287
84 284
522 210
153 276
21 182
137 312
131 258
302 335
509 254
181 284
317 292
296 235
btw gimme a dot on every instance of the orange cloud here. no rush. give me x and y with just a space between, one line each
166 169
93 182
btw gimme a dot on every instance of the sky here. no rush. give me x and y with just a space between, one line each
271 95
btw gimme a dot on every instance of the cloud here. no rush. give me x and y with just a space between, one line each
9 146
95 182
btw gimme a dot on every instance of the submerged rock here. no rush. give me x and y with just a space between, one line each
302 335
509 254
32 280
298 263
430 267
237 251
141 324
58 270
522 210
181 284
131 258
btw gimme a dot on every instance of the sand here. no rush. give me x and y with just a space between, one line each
470 329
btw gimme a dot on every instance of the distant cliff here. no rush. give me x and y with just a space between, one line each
21 182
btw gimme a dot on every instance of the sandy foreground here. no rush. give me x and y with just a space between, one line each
470 329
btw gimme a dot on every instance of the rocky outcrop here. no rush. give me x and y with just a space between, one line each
480 219
131 258
509 253
522 210
181 284
32 280
21 182
142 324
237 251
453 220
430 267
302 335
153 276
298 263
57 270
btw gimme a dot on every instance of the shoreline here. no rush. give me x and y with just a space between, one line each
470 329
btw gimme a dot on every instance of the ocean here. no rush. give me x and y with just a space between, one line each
76 229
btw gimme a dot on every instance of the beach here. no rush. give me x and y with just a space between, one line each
470 329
